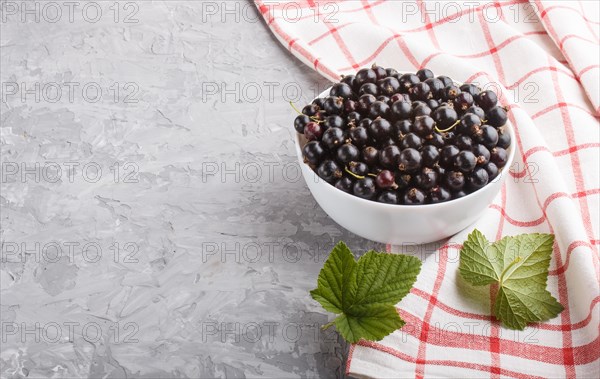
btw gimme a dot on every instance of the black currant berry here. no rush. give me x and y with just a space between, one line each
489 136
391 72
400 110
477 111
368 89
389 156
477 179
345 184
464 142
449 137
365 75
397 97
420 91
425 74
447 155
455 180
365 122
379 109
411 140
403 180
465 161
358 168
432 103
364 103
463 101
503 138
420 109
329 171
444 117
450 92
499 156
430 155
435 139
388 197
482 153
353 118
347 153
370 156
380 72
407 81
358 135
426 179
333 137
341 90
486 99
365 188
388 86
333 105
320 116
313 131
385 179
445 80
439 195
492 170
496 116
387 142
319 102
314 152
350 106
349 80
311 110
409 160
423 125
402 127
380 129
300 123
333 121
436 86
413 196
471 89
459 194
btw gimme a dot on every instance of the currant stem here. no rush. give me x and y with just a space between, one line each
294 108
353 174
314 119
448 129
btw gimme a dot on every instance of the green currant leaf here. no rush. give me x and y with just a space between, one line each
365 293
519 265
335 279
369 322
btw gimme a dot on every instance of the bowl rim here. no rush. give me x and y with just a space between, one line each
503 171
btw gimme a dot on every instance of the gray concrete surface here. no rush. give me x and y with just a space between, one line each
153 221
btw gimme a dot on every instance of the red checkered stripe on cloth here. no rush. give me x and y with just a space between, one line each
542 59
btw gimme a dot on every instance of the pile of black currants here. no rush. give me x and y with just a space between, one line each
405 138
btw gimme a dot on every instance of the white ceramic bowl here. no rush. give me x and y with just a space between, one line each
402 224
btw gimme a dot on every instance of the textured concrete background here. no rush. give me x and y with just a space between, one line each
153 221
